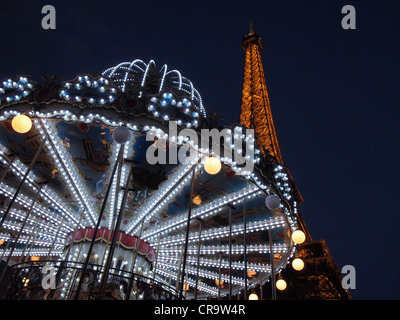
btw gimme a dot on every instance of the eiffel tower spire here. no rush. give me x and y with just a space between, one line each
255 109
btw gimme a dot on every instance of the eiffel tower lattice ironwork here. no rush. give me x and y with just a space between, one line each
321 278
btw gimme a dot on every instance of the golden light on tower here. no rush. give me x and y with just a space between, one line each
212 165
21 123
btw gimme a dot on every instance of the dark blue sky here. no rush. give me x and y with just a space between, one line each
334 95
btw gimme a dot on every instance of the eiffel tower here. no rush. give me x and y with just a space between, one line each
320 279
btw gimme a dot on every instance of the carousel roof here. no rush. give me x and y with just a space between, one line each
75 120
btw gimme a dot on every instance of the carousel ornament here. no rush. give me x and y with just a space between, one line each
121 134
272 202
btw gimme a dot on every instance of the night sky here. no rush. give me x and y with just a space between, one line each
334 95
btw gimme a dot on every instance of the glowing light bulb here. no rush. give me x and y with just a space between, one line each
253 296
298 236
21 123
212 165
281 284
298 264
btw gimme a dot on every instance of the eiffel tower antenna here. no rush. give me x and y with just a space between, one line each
251 27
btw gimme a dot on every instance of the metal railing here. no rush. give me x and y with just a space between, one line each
58 280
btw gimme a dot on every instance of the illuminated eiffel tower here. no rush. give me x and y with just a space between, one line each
320 279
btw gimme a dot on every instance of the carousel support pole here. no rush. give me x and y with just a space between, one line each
7 168
178 275
198 259
75 233
187 284
245 249
273 285
22 181
115 235
155 265
134 264
85 266
55 238
34 239
187 234
219 276
230 252
114 214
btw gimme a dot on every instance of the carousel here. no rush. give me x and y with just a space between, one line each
109 189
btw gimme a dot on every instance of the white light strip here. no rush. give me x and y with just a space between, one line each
204 273
164 194
235 249
37 208
238 265
217 233
19 169
202 212
66 168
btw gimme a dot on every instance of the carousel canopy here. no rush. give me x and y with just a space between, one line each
72 156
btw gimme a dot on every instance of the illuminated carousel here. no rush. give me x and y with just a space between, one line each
81 199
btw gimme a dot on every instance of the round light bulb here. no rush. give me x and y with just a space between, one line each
253 296
298 236
281 284
21 123
121 134
212 165
197 200
272 202
298 264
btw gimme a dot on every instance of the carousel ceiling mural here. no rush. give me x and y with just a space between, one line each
72 173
